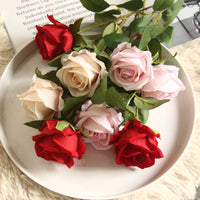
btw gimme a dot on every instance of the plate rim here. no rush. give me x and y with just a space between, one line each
31 45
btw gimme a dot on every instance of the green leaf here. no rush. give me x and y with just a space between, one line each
112 27
100 93
95 5
170 14
160 5
155 48
62 125
138 25
150 32
130 114
48 76
115 99
56 62
101 44
106 16
35 124
143 115
73 102
75 27
132 5
148 103
167 36
103 56
113 39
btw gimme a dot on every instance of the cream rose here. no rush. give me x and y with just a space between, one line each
131 68
81 72
43 99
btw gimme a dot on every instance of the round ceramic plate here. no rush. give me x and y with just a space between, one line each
96 176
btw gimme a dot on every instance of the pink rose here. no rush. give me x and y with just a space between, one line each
131 67
165 84
100 121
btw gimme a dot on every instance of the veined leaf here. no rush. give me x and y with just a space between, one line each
138 25
167 36
115 99
155 48
100 93
35 124
48 76
113 39
132 5
73 102
106 16
111 28
148 103
150 32
56 62
170 14
143 115
160 5
95 5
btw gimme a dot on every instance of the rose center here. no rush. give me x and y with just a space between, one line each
76 80
127 74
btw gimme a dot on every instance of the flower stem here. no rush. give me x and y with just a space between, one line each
121 17
132 96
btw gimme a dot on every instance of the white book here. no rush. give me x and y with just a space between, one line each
21 16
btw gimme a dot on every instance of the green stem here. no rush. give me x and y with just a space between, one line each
137 115
134 38
144 3
94 26
158 18
122 17
132 96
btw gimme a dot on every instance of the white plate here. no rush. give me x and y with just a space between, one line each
96 176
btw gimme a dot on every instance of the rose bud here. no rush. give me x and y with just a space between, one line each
53 39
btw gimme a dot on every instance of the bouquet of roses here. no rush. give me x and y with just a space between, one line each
104 83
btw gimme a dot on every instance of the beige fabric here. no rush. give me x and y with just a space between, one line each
179 183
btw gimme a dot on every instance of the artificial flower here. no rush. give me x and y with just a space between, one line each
136 145
43 99
131 67
99 122
53 39
59 145
165 85
81 72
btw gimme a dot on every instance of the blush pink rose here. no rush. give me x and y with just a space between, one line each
131 68
43 99
100 121
165 84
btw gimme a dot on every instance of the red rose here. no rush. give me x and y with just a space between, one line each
53 39
136 145
60 146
